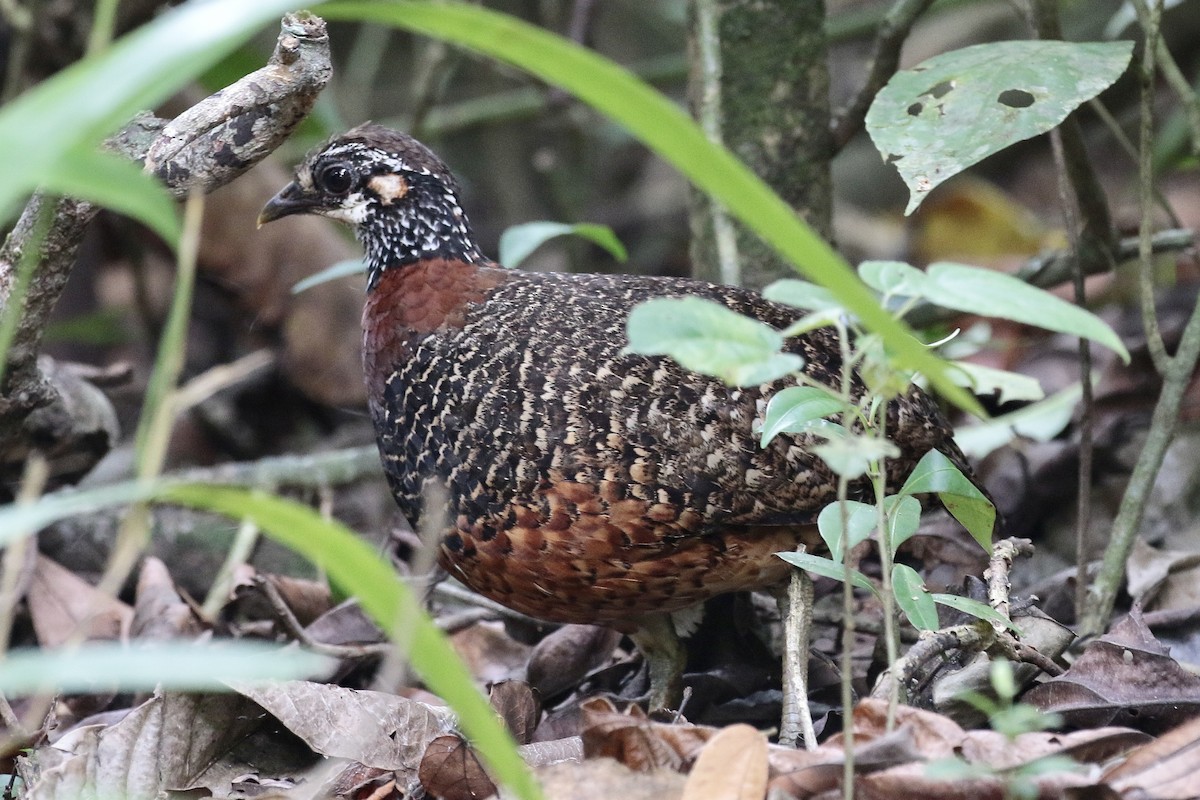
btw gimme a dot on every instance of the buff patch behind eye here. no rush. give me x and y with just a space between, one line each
390 188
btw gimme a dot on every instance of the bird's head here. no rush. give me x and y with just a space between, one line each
398 196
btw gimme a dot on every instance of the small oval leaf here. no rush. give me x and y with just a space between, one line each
916 603
819 565
794 409
936 474
706 337
837 532
801 294
976 609
903 518
892 277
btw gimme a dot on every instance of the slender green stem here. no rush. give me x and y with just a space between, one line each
158 411
104 26
1154 339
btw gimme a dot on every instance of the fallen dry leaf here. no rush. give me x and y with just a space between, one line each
376 729
605 779
1125 677
450 770
168 742
732 766
563 658
159 612
62 604
517 705
1167 768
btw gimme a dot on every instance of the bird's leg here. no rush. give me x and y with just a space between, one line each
665 659
795 607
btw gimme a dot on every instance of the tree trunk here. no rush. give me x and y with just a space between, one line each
759 83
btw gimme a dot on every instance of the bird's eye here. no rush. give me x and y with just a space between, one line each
335 179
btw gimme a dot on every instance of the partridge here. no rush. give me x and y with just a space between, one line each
565 477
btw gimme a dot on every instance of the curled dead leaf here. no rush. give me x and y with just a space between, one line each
450 770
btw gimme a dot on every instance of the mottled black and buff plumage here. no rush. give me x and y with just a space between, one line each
579 483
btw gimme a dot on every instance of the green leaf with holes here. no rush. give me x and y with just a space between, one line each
827 568
937 474
518 242
796 408
955 109
912 597
709 338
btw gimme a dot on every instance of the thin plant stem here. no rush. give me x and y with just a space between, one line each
1154 339
33 482
890 637
104 25
158 411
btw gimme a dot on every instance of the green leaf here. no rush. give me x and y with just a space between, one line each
903 518
819 565
80 105
709 338
1040 422
116 183
519 241
913 599
1007 386
794 409
851 454
802 295
955 109
342 269
937 474
666 129
840 533
174 666
892 277
976 609
996 294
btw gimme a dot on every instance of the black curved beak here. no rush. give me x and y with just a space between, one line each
290 200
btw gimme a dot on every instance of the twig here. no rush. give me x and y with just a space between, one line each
885 59
931 646
795 606
1004 552
1154 339
1173 75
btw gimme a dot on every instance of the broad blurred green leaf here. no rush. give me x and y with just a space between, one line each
891 277
190 667
841 533
75 109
